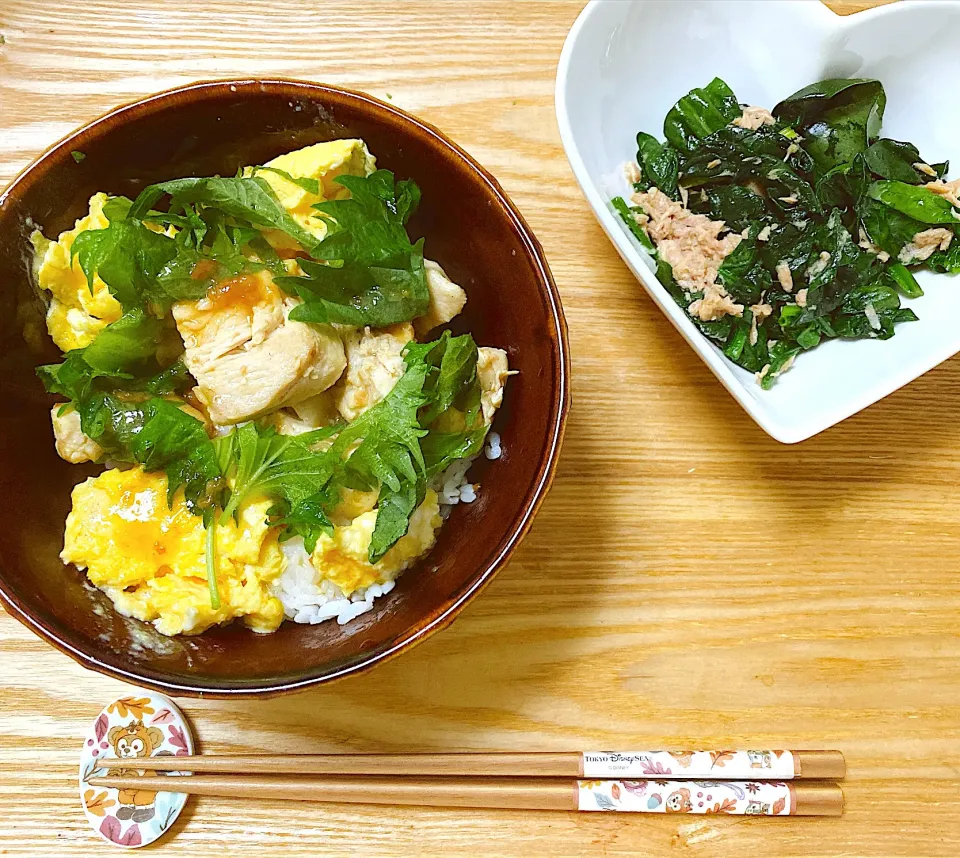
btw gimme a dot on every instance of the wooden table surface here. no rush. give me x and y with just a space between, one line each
689 581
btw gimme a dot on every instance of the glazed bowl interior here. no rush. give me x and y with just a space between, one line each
470 228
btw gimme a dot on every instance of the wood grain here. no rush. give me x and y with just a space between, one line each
689 582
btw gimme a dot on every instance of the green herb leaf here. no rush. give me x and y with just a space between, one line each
126 344
250 199
311 186
77 156
158 435
353 294
372 274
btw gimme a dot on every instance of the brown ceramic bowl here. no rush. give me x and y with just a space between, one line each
471 228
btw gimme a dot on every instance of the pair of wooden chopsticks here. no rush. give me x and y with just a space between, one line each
752 782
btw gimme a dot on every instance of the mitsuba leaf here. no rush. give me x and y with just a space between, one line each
158 435
354 294
394 508
369 227
451 364
248 198
74 379
699 113
308 518
311 186
371 274
125 345
128 256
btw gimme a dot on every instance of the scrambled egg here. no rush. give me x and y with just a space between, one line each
149 558
342 558
324 162
77 313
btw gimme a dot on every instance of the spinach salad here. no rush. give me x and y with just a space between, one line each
779 229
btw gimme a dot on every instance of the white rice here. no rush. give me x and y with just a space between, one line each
492 449
308 599
451 485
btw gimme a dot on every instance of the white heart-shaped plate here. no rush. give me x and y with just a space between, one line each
626 62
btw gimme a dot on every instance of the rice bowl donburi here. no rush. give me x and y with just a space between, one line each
258 363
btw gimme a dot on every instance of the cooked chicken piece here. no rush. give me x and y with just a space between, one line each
72 444
374 365
319 410
286 422
446 299
313 413
492 371
246 354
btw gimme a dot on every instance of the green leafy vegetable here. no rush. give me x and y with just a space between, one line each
659 164
311 186
699 113
891 159
126 344
921 204
627 214
77 156
902 277
744 275
129 257
371 274
838 118
250 199
825 208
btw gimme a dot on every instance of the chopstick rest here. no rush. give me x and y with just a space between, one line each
132 730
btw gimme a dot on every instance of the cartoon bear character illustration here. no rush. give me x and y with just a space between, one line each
678 802
756 808
760 759
130 742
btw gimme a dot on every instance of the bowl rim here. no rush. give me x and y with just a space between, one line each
158 101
